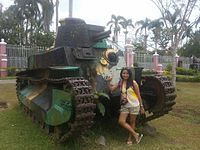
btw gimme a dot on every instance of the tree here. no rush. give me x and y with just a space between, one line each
116 24
176 15
33 14
9 26
192 47
125 24
156 26
143 25
43 39
47 13
21 24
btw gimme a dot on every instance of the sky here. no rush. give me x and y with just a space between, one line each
99 12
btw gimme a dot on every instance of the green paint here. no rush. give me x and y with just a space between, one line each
101 44
25 93
64 68
61 109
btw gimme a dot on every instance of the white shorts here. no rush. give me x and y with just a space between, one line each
130 110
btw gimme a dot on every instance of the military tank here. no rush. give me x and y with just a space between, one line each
57 89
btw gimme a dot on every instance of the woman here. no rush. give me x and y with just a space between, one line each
131 103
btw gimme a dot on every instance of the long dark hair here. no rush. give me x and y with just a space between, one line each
130 79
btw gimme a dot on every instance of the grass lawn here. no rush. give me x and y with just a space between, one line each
179 130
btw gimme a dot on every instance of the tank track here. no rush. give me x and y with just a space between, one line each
83 112
163 91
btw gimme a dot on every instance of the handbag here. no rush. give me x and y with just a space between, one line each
122 101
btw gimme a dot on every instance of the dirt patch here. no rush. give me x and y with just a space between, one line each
3 105
189 113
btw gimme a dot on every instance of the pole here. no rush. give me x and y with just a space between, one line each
70 8
57 4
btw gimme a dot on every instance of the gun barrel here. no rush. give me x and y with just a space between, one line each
101 35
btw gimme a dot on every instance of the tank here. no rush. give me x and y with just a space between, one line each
58 89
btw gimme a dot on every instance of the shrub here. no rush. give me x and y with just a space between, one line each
183 78
11 71
148 72
184 71
169 68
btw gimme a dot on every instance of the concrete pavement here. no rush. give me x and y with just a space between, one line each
7 81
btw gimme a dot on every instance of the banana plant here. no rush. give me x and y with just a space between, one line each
100 106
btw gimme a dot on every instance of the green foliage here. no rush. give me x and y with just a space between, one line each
184 71
192 47
20 22
148 72
44 39
100 106
169 68
183 78
11 71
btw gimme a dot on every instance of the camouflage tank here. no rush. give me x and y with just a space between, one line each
58 87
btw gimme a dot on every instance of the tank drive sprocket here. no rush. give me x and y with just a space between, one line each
158 95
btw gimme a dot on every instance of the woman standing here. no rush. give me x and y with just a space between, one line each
131 103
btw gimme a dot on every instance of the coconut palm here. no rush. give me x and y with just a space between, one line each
27 13
116 24
156 26
143 26
125 24
47 13
32 15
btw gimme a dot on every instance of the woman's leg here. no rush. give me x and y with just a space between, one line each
124 124
132 124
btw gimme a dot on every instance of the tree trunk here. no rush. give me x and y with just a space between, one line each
174 66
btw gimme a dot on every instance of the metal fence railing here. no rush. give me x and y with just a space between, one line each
18 55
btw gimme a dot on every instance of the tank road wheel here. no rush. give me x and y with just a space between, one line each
158 96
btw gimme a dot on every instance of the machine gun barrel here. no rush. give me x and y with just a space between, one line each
101 35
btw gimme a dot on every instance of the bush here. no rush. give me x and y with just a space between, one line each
184 71
11 71
148 72
183 78
169 68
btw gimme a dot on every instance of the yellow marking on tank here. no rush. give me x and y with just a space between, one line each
36 92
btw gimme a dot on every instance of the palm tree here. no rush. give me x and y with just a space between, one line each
27 13
125 24
47 13
33 14
143 26
116 24
156 26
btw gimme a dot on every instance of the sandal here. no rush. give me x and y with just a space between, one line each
139 138
129 143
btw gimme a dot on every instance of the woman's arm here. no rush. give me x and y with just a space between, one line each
111 87
137 92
